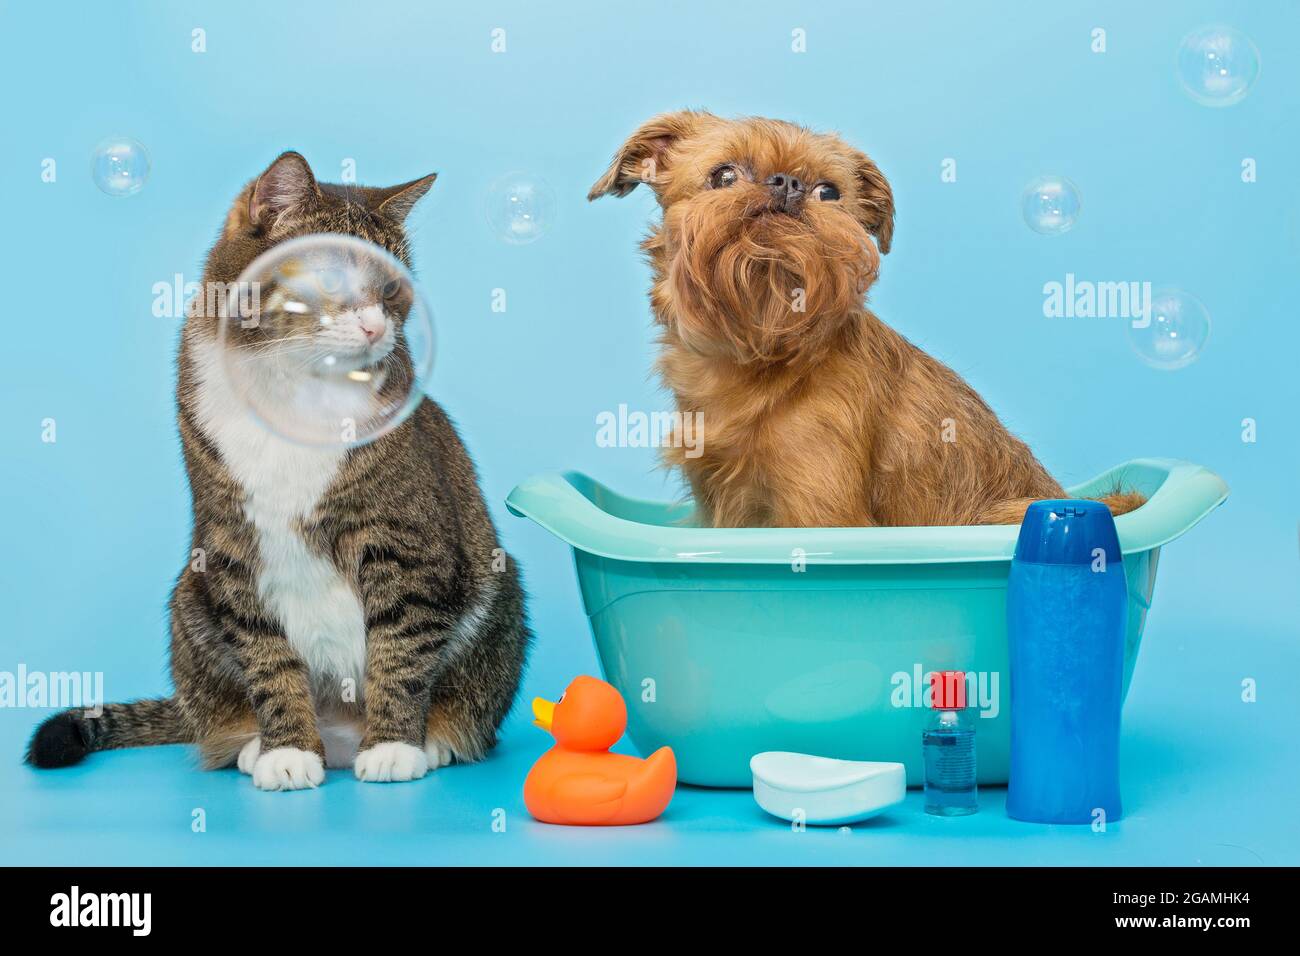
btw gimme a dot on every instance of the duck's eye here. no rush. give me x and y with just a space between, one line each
723 177
391 288
825 192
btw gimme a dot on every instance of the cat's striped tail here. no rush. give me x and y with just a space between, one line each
66 738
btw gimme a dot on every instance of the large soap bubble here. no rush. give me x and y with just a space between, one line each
326 340
1217 65
520 208
120 166
1051 205
1172 335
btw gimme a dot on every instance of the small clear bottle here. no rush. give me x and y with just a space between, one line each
948 742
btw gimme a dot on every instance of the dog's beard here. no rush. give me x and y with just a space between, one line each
757 286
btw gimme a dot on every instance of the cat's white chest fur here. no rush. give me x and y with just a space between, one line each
319 610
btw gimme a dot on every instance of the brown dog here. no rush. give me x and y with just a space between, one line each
815 413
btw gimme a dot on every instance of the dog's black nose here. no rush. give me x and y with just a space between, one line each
787 191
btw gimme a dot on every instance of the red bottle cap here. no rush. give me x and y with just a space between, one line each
947 690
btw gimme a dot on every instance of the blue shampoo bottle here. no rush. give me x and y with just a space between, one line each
1067 602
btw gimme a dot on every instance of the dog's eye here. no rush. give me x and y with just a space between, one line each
826 192
724 176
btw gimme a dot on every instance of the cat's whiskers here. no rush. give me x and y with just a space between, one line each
288 343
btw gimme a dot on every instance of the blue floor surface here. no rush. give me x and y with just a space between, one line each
1208 780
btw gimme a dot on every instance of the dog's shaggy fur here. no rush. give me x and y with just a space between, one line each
815 412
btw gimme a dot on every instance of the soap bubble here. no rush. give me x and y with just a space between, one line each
326 340
520 208
1051 205
1217 65
120 166
1174 332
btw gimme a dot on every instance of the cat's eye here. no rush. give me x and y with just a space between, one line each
723 177
825 192
391 288
331 280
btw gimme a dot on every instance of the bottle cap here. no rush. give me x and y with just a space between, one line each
947 690
1067 532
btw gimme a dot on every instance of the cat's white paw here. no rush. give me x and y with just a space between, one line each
391 762
248 756
437 753
288 768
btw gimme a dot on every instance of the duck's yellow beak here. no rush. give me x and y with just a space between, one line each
543 713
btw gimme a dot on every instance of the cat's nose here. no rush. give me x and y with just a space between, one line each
373 326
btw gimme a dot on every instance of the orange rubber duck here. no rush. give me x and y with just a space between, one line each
578 781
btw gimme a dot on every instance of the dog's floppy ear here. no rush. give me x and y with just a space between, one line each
642 157
876 201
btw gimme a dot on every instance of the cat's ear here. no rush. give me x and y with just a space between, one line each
396 202
287 184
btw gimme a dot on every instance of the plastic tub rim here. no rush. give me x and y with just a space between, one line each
1185 495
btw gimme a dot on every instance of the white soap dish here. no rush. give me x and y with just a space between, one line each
823 790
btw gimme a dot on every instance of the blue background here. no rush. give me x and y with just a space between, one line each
97 523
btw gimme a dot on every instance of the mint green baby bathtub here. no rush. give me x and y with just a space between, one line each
728 642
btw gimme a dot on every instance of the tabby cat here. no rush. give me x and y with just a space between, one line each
353 606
